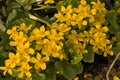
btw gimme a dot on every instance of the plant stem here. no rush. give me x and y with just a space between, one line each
111 66
38 19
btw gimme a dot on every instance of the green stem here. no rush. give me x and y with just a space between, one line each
38 19
44 7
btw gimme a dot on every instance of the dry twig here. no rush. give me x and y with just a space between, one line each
111 66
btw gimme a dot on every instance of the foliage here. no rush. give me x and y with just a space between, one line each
50 39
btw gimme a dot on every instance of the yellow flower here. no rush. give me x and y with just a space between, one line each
93 11
54 35
99 41
24 27
56 51
99 6
108 50
18 39
37 34
59 17
12 32
39 62
67 10
7 68
60 27
48 48
116 78
83 11
83 2
76 78
81 47
14 59
91 19
40 44
98 28
24 70
75 37
25 48
24 58
84 23
49 1
68 19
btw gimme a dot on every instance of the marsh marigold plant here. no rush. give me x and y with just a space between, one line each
78 32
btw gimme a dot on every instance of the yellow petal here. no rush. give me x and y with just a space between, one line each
28 74
5 72
8 62
43 66
11 55
31 51
27 44
42 29
93 11
12 65
33 60
20 75
38 56
13 43
105 29
10 71
2 68
9 31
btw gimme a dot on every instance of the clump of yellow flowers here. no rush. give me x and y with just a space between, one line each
48 43
81 26
88 26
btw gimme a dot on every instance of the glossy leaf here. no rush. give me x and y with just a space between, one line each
74 3
112 18
2 27
68 70
76 59
11 16
28 79
38 76
89 57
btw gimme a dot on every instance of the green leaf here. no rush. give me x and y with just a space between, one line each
38 76
3 11
28 78
116 50
112 18
5 42
112 30
67 45
68 70
74 3
14 73
2 59
4 54
50 72
12 4
51 76
11 16
58 6
2 27
77 59
79 68
89 57
25 2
